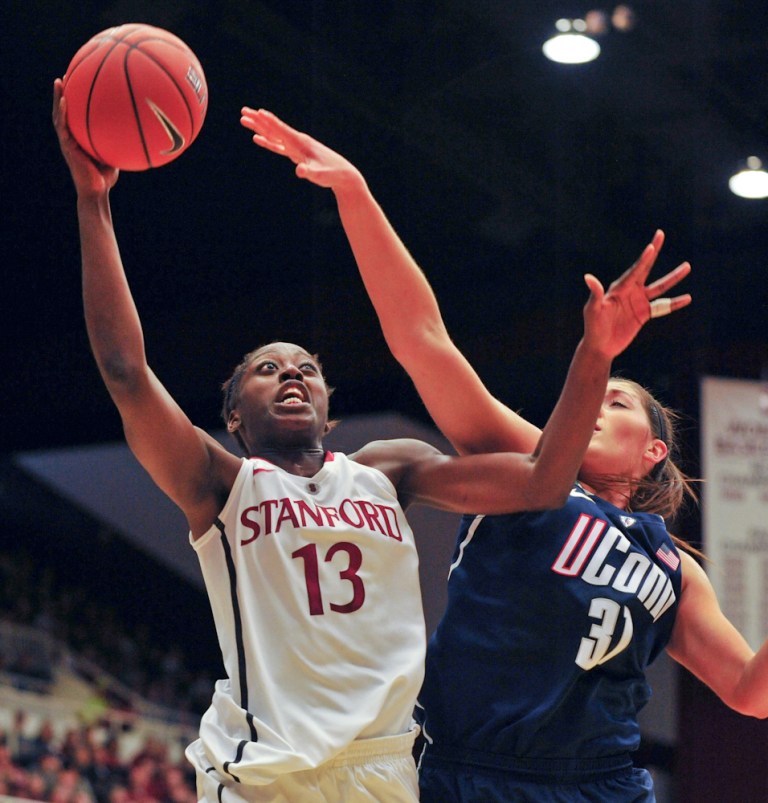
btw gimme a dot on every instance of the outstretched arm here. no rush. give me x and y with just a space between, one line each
707 644
180 461
470 417
504 482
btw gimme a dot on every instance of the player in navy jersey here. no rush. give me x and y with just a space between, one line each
307 557
536 673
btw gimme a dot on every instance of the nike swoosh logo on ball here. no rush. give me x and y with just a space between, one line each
177 140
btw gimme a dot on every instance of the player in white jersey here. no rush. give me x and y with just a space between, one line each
346 554
309 564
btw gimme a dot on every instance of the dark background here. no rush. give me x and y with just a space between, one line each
507 176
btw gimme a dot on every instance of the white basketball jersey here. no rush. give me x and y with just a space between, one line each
313 583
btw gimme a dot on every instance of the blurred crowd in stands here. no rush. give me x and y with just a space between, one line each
85 764
34 596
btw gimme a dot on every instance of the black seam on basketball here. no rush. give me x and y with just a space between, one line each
91 88
108 36
172 77
139 127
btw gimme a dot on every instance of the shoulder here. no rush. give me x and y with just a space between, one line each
396 449
694 576
394 457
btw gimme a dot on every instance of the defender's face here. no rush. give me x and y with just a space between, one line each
283 399
623 443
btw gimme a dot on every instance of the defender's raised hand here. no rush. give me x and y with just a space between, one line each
613 319
314 161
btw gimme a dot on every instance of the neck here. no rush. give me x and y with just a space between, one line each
618 494
303 461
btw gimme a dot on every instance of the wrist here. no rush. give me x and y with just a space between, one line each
595 353
351 185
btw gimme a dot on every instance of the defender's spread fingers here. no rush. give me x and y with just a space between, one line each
669 280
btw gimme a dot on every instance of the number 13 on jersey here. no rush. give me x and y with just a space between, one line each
345 602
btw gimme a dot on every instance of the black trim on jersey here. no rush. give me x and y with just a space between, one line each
220 788
241 668
235 760
231 774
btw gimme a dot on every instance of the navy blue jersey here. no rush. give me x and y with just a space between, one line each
552 619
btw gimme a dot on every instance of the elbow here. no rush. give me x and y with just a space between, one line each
410 344
120 374
754 707
755 711
748 703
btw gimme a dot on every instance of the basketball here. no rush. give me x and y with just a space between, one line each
136 97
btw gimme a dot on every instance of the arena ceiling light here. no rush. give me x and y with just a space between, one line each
576 39
751 181
571 45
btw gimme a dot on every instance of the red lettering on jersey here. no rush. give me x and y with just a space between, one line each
252 525
371 514
266 510
286 514
268 517
389 516
331 515
578 546
312 512
348 507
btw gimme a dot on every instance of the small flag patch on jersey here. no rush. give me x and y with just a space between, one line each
668 556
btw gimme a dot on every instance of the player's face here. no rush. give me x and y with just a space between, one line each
623 443
283 399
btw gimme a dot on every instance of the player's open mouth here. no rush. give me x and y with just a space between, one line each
292 396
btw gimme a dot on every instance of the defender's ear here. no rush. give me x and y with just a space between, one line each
656 452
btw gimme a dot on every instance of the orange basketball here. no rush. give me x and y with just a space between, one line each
136 97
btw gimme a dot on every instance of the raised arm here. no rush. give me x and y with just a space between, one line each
505 482
184 464
470 417
707 644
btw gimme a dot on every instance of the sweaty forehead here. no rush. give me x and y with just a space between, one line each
281 350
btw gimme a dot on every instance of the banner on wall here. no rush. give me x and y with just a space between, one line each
734 450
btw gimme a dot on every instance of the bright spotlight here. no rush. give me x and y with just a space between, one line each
571 48
751 181
571 45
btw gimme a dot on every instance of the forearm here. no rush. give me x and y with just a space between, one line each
567 434
470 417
399 291
112 322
